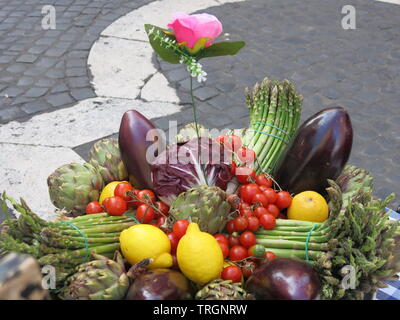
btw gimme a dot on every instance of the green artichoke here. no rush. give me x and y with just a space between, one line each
207 206
188 132
106 157
223 290
99 279
73 186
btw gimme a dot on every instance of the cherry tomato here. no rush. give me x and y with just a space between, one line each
270 194
273 209
244 205
246 213
284 199
232 273
263 188
160 223
116 206
133 203
257 251
270 255
221 238
248 268
253 223
232 142
263 180
230 226
179 228
245 174
146 195
233 168
259 211
162 209
94 207
224 248
237 253
267 221
173 240
246 155
247 239
233 241
248 192
240 224
121 189
145 213
260 199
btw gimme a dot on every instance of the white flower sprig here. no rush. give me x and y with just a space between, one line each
194 68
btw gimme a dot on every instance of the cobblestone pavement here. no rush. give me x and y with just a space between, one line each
41 70
304 42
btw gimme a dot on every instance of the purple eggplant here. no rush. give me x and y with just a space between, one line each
160 284
284 279
319 151
134 144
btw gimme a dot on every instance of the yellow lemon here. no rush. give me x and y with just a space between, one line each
199 255
308 206
108 190
144 241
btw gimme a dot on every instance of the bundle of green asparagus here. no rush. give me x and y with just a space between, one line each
63 244
358 238
275 109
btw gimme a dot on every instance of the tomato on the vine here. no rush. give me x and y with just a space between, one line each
268 221
247 239
179 228
221 238
246 213
233 241
245 174
244 205
273 209
253 223
240 224
248 192
115 206
259 211
248 268
162 208
246 155
233 168
146 195
160 222
94 207
173 240
263 180
230 226
260 199
284 199
132 202
237 253
232 273
224 248
270 255
270 194
145 213
122 189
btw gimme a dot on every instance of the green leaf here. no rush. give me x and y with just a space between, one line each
221 49
167 54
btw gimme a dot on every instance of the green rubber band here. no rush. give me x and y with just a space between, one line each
268 134
272 126
308 240
85 239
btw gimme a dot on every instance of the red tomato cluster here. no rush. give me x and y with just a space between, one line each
148 209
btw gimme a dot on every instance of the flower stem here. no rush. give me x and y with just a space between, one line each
197 127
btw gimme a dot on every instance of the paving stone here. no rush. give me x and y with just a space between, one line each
35 107
76 72
6 59
205 93
36 92
25 81
10 113
16 68
11 92
58 100
81 94
59 88
55 52
27 58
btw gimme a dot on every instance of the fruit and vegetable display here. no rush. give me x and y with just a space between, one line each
270 211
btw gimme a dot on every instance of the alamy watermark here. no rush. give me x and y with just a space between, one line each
49 17
349 20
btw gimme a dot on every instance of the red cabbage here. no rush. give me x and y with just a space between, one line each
178 168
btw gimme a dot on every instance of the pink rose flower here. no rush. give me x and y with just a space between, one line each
192 28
